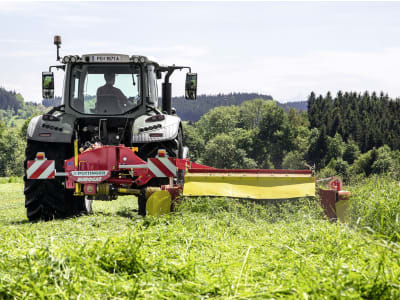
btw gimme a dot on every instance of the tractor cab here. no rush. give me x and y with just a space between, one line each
114 84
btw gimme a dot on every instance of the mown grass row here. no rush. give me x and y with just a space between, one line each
209 248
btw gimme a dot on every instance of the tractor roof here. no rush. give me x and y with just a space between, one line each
107 58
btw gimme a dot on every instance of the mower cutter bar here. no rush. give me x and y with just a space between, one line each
252 184
258 171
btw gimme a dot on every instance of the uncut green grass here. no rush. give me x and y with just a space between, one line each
376 206
210 248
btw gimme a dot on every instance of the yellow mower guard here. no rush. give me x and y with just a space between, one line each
250 184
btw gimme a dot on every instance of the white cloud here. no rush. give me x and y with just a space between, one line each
286 77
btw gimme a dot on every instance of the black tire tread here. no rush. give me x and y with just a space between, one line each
48 199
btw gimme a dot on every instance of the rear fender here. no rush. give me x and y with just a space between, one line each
51 131
146 132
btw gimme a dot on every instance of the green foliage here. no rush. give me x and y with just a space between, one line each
262 134
221 152
10 100
293 160
252 112
14 121
318 147
326 172
12 153
20 99
298 119
383 162
351 152
2 128
367 119
24 128
244 139
219 120
339 166
17 118
275 136
335 147
376 161
193 140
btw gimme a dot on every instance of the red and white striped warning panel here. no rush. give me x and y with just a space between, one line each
162 167
41 169
159 167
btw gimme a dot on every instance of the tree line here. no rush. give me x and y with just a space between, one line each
261 134
370 120
193 110
10 100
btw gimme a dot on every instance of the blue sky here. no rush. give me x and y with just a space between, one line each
286 49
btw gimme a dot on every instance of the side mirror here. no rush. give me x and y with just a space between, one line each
47 85
191 86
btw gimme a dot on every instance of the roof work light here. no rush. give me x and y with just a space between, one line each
57 42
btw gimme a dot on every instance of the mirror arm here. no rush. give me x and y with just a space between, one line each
62 67
171 69
166 86
169 73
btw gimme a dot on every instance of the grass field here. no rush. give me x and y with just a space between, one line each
209 248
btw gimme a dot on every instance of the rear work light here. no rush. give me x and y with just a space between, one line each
155 118
161 153
40 156
50 118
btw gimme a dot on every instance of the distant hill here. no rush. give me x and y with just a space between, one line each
299 105
10 100
193 110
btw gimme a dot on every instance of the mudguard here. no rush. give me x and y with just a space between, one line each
51 131
158 131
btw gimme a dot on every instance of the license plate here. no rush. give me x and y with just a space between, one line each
106 58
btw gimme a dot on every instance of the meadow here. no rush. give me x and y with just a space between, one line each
209 248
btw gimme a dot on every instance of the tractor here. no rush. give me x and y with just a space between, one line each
110 137
110 105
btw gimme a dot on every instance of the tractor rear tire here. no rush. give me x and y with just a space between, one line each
48 199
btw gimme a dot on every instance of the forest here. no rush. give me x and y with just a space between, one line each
350 134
